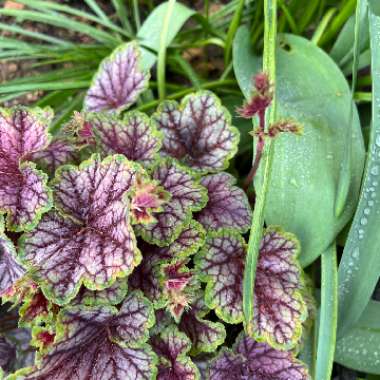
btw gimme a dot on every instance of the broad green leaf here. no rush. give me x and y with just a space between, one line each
150 31
305 175
360 265
359 348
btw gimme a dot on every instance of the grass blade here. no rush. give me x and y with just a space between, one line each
232 31
161 60
360 264
269 66
328 315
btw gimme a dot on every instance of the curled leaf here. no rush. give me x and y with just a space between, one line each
147 275
89 239
227 204
135 136
279 309
172 347
186 196
253 360
148 198
24 195
113 295
205 335
118 82
101 343
198 132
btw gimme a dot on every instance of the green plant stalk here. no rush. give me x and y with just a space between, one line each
232 31
322 26
269 66
345 172
328 317
346 11
161 59
136 14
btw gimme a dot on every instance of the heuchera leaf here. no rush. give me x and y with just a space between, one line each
101 343
135 136
24 195
110 296
257 361
60 151
118 82
227 205
147 275
10 269
172 348
205 335
198 132
186 196
89 238
34 309
279 309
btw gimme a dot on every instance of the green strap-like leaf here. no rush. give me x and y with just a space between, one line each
360 265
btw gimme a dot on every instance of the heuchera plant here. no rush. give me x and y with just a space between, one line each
123 247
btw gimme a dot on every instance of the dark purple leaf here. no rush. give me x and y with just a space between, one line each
227 205
90 239
279 309
118 82
101 343
135 136
256 361
10 269
172 347
187 195
198 132
7 354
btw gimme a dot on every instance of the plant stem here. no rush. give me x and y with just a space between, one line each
269 66
328 315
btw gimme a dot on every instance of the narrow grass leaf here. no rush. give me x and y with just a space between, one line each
360 264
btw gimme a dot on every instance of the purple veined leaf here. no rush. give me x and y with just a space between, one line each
136 135
227 206
118 82
279 310
110 296
172 348
60 151
198 132
147 275
187 196
23 132
24 195
253 360
10 269
90 239
7 354
148 198
205 335
101 343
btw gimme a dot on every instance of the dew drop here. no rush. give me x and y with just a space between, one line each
377 141
375 170
363 221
